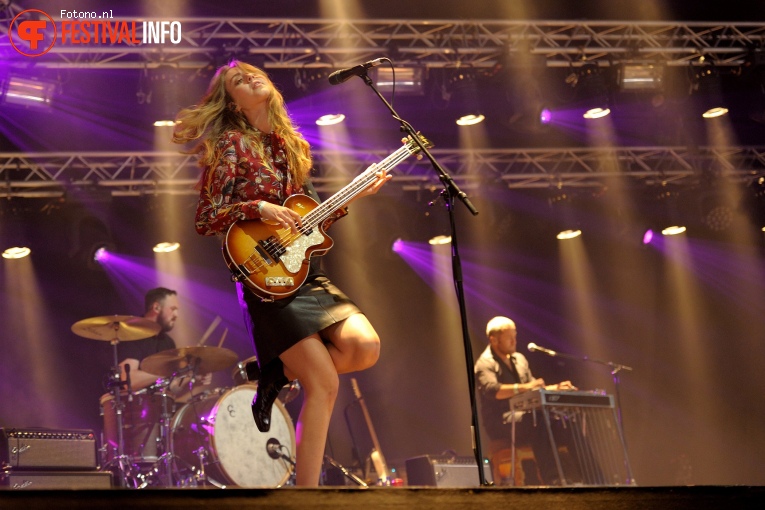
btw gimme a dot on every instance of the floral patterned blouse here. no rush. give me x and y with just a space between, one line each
233 188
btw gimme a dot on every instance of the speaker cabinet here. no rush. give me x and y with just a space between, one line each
443 471
47 449
33 480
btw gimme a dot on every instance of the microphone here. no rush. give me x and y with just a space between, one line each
127 379
534 347
346 74
272 448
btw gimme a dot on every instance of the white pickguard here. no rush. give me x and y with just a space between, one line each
295 252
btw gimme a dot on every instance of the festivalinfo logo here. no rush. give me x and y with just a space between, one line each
34 33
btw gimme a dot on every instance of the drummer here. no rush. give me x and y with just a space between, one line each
160 306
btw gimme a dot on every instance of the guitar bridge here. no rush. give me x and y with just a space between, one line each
279 281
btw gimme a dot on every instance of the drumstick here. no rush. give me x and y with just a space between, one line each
223 337
209 331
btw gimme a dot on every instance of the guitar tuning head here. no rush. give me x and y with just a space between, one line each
414 147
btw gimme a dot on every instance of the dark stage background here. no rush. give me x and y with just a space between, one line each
687 317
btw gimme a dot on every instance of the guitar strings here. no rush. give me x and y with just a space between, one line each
322 212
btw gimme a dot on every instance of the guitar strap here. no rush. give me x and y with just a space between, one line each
311 191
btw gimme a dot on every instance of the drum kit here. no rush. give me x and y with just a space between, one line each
150 440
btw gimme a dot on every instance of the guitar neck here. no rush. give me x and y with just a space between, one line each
354 188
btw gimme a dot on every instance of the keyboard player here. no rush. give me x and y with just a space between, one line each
501 373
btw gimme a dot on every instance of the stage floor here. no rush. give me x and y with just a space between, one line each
378 498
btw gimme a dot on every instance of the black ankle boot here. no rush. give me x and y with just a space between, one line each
272 380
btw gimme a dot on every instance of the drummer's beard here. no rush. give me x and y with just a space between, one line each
167 325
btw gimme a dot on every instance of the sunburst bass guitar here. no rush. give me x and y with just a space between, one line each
273 261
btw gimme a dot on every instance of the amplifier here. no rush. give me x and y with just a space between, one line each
47 449
444 471
32 480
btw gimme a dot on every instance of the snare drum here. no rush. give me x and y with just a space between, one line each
246 371
140 424
234 450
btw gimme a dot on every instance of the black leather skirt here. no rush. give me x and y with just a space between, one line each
275 327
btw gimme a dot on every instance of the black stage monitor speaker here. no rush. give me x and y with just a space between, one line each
444 471
47 449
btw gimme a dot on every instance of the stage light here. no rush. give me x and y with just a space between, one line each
593 90
566 213
640 77
16 252
26 92
440 239
717 111
101 254
166 247
461 91
470 120
408 80
708 93
673 230
568 234
397 246
596 113
545 116
330 119
164 123
648 236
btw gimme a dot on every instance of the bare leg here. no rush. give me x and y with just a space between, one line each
310 362
354 344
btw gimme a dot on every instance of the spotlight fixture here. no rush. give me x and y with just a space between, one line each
568 234
712 113
16 252
166 247
330 119
470 120
596 113
640 77
708 93
26 92
101 254
397 246
164 123
593 90
440 239
408 80
648 236
545 116
673 230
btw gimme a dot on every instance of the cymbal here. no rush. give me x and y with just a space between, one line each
122 328
204 359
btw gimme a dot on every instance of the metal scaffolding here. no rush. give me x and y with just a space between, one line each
309 43
55 174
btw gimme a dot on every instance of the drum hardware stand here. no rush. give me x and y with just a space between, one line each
116 328
165 464
200 474
122 462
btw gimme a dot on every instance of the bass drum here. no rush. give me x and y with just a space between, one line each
234 450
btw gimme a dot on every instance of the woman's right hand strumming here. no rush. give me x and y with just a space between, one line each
284 216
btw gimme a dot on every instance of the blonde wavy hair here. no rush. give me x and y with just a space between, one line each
214 116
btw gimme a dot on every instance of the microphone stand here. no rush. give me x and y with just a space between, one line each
450 192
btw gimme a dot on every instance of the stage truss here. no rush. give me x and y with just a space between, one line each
57 174
311 43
